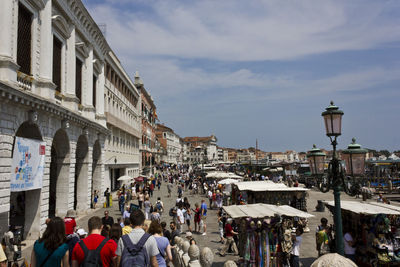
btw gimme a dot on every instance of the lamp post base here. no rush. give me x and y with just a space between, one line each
338 222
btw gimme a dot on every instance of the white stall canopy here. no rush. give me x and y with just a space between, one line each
260 210
365 208
266 186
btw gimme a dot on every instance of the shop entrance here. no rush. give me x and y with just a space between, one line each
24 206
81 174
59 175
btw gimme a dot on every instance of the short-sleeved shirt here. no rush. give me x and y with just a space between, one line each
55 259
70 224
203 208
296 246
228 230
179 214
135 235
107 253
162 243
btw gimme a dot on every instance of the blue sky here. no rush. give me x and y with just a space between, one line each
247 70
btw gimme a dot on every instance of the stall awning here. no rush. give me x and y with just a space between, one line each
223 175
266 186
364 208
263 210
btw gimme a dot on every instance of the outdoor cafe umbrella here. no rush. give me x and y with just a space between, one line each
333 260
124 178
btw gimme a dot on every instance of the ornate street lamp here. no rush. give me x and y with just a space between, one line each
316 159
334 178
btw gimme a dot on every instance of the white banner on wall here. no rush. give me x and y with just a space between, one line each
27 164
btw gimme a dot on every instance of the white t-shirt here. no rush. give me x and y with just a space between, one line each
179 214
349 250
296 246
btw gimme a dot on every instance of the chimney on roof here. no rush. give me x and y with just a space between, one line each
138 81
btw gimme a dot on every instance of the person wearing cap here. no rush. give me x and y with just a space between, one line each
70 223
82 233
189 237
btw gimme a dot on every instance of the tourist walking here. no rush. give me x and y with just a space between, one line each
203 209
229 242
107 196
295 254
107 219
137 237
147 208
95 241
197 217
140 199
187 213
163 245
160 206
155 216
51 250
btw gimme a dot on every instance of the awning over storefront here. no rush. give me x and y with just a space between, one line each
266 186
260 210
365 208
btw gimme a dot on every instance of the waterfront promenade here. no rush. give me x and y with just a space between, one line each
308 252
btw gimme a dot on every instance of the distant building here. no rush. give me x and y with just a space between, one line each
148 149
208 145
171 143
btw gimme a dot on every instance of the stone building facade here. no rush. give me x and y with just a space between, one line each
201 145
122 109
171 143
149 145
52 63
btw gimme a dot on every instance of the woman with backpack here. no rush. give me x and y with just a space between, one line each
163 245
51 250
160 206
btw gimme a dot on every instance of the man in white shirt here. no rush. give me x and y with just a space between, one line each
295 254
180 217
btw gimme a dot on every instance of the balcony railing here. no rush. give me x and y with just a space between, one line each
24 81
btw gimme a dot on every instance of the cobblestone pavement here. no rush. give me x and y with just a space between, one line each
307 250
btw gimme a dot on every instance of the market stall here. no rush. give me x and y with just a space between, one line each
375 227
265 232
269 192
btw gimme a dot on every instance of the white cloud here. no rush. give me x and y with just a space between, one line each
249 30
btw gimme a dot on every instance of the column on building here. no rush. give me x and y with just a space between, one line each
8 33
70 98
45 86
87 90
100 96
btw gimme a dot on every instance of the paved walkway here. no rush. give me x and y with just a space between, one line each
307 251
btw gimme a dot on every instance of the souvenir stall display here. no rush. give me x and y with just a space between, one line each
278 194
265 232
375 228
